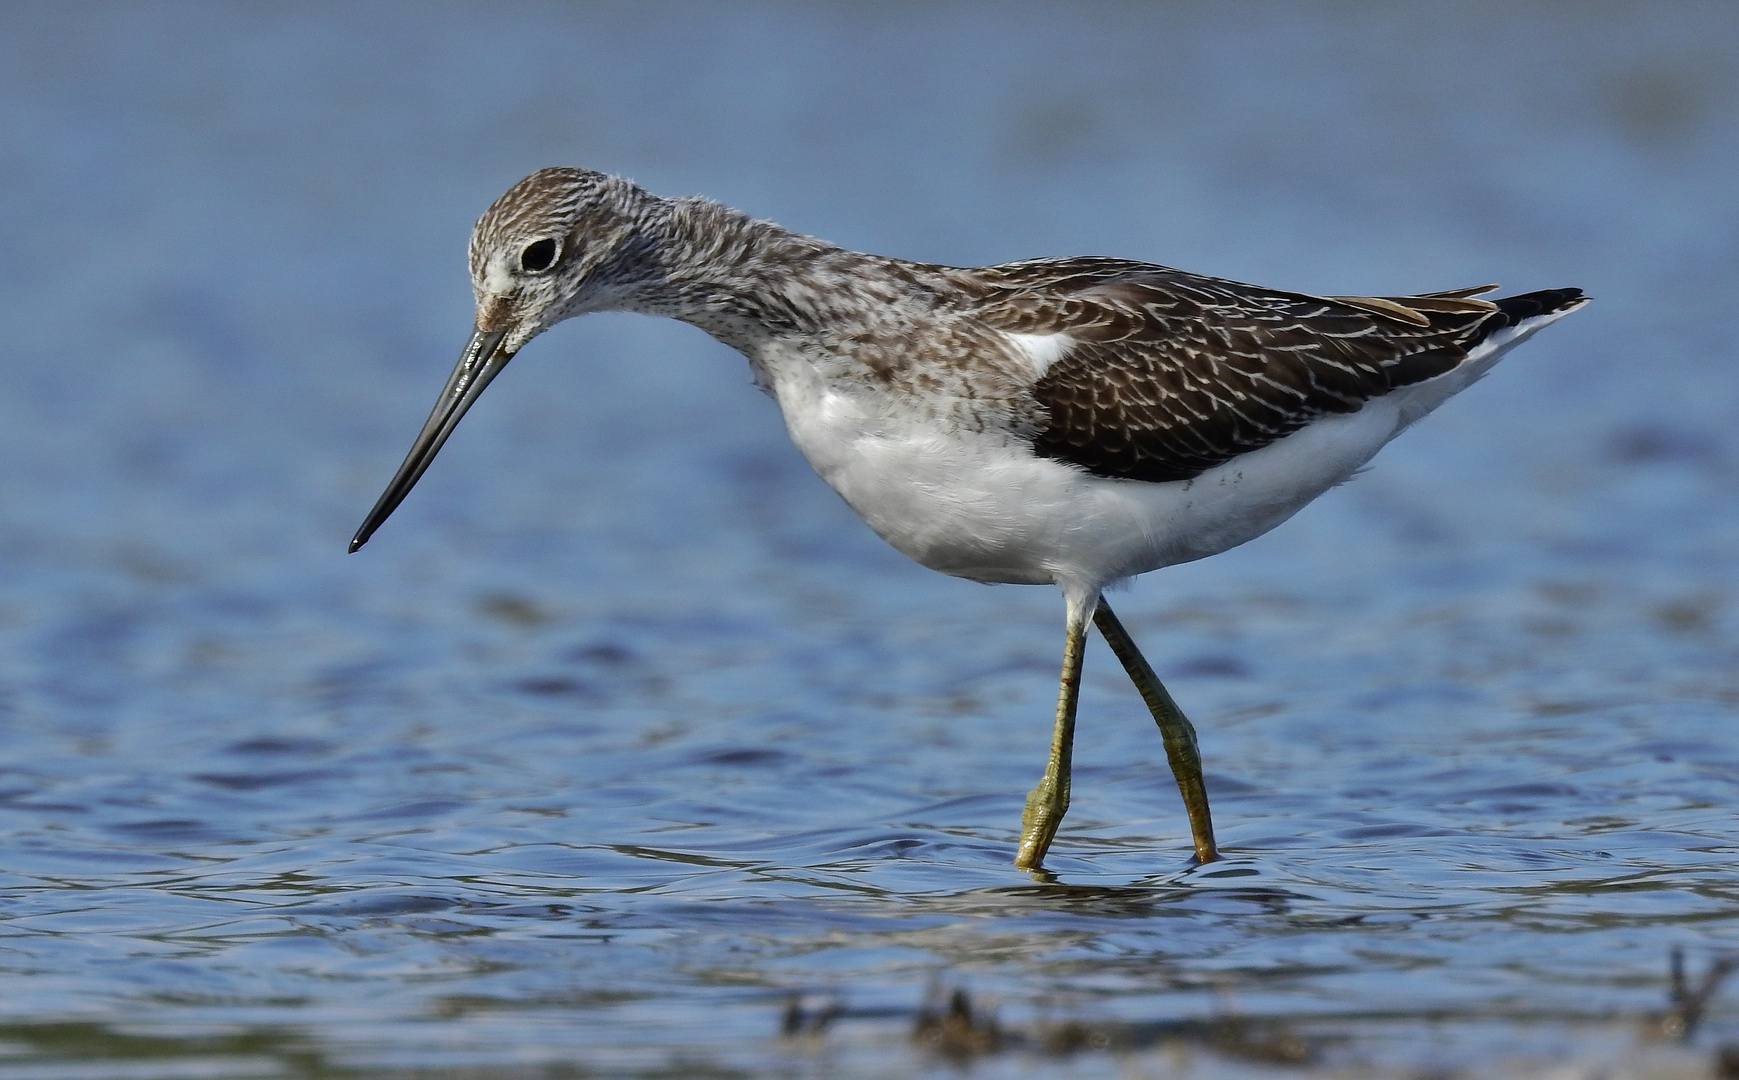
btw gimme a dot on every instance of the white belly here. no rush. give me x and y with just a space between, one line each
980 505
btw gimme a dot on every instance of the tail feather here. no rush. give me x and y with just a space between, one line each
1513 311
1524 306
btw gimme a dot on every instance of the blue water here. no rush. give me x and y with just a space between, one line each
624 739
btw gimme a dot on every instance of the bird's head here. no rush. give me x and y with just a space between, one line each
557 244
560 243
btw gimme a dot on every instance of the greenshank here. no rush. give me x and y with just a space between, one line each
1070 421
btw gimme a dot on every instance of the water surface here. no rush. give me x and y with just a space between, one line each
624 747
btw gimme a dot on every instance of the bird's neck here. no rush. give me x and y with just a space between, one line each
748 282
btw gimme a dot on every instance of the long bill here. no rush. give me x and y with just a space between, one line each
482 360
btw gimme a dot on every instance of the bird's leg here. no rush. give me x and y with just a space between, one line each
1049 801
1174 728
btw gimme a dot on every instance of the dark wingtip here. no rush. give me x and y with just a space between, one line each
356 543
1525 306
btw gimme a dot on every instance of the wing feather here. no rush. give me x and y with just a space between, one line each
1174 373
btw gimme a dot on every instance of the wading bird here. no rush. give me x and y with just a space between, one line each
1070 422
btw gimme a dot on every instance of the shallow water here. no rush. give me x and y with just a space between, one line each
624 748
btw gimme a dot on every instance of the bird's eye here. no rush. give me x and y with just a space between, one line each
538 256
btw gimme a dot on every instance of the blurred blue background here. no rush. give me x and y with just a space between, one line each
624 729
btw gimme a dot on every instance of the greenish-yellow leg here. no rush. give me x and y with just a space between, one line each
1049 801
1174 728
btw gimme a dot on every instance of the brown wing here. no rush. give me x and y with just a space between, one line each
1175 373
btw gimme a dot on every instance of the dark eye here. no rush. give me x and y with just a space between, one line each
539 255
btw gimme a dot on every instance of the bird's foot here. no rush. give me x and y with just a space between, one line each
1039 822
